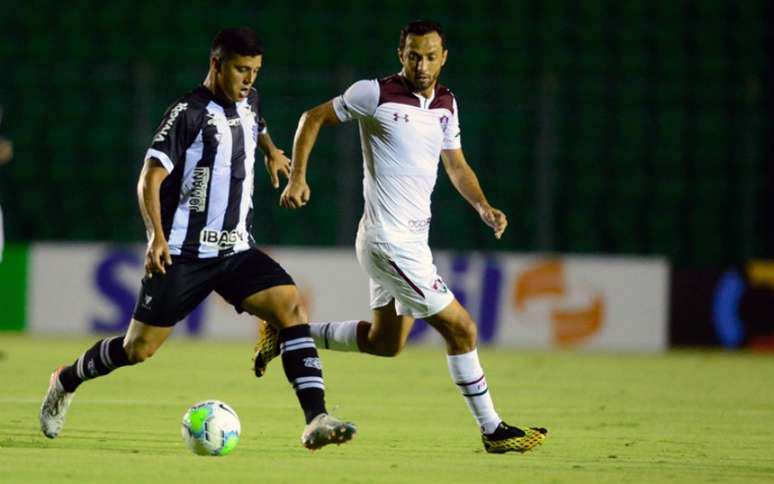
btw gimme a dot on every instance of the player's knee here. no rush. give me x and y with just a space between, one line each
138 350
290 314
281 307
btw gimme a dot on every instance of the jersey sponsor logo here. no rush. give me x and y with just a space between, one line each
212 121
419 225
197 202
222 239
164 131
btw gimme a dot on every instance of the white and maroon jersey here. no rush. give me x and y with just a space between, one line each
208 148
402 135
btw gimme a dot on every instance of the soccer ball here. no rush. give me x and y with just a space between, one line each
211 428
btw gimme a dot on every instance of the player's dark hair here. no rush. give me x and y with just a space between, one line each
421 27
236 41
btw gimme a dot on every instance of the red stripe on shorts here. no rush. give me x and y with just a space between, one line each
405 278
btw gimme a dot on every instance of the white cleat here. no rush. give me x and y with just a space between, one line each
54 406
325 429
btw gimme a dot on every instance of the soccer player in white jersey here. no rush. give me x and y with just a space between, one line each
407 121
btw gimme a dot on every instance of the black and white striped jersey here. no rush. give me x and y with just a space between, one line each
208 147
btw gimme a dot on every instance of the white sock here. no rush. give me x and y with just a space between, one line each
466 372
335 335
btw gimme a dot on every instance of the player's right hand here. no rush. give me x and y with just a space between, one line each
157 256
296 194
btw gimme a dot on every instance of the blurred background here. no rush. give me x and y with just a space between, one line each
635 128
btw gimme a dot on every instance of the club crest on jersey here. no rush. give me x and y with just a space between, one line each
444 120
221 239
197 201
397 116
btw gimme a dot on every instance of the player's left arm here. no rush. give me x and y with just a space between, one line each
465 181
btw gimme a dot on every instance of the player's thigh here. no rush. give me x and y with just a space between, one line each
406 272
279 306
165 299
256 283
142 340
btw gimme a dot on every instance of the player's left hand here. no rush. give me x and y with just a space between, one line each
276 163
494 218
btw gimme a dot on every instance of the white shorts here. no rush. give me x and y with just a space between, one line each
404 272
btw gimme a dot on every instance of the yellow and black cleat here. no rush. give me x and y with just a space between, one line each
266 348
513 439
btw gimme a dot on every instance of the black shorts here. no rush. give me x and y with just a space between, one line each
165 299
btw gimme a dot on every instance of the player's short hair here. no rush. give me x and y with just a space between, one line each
236 41
421 27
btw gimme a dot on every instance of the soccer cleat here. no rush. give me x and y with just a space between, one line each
266 349
513 439
325 429
54 406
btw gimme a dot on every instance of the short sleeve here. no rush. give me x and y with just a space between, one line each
359 101
173 137
451 132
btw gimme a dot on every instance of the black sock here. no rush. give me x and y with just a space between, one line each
99 360
303 369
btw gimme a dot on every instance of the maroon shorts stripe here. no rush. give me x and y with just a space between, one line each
405 278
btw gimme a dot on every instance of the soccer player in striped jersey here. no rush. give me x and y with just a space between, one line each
407 122
195 195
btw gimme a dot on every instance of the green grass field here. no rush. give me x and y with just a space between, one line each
680 417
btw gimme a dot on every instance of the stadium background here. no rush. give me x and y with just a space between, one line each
630 128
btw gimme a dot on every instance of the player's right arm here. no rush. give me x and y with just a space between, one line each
297 191
148 195
175 134
359 101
